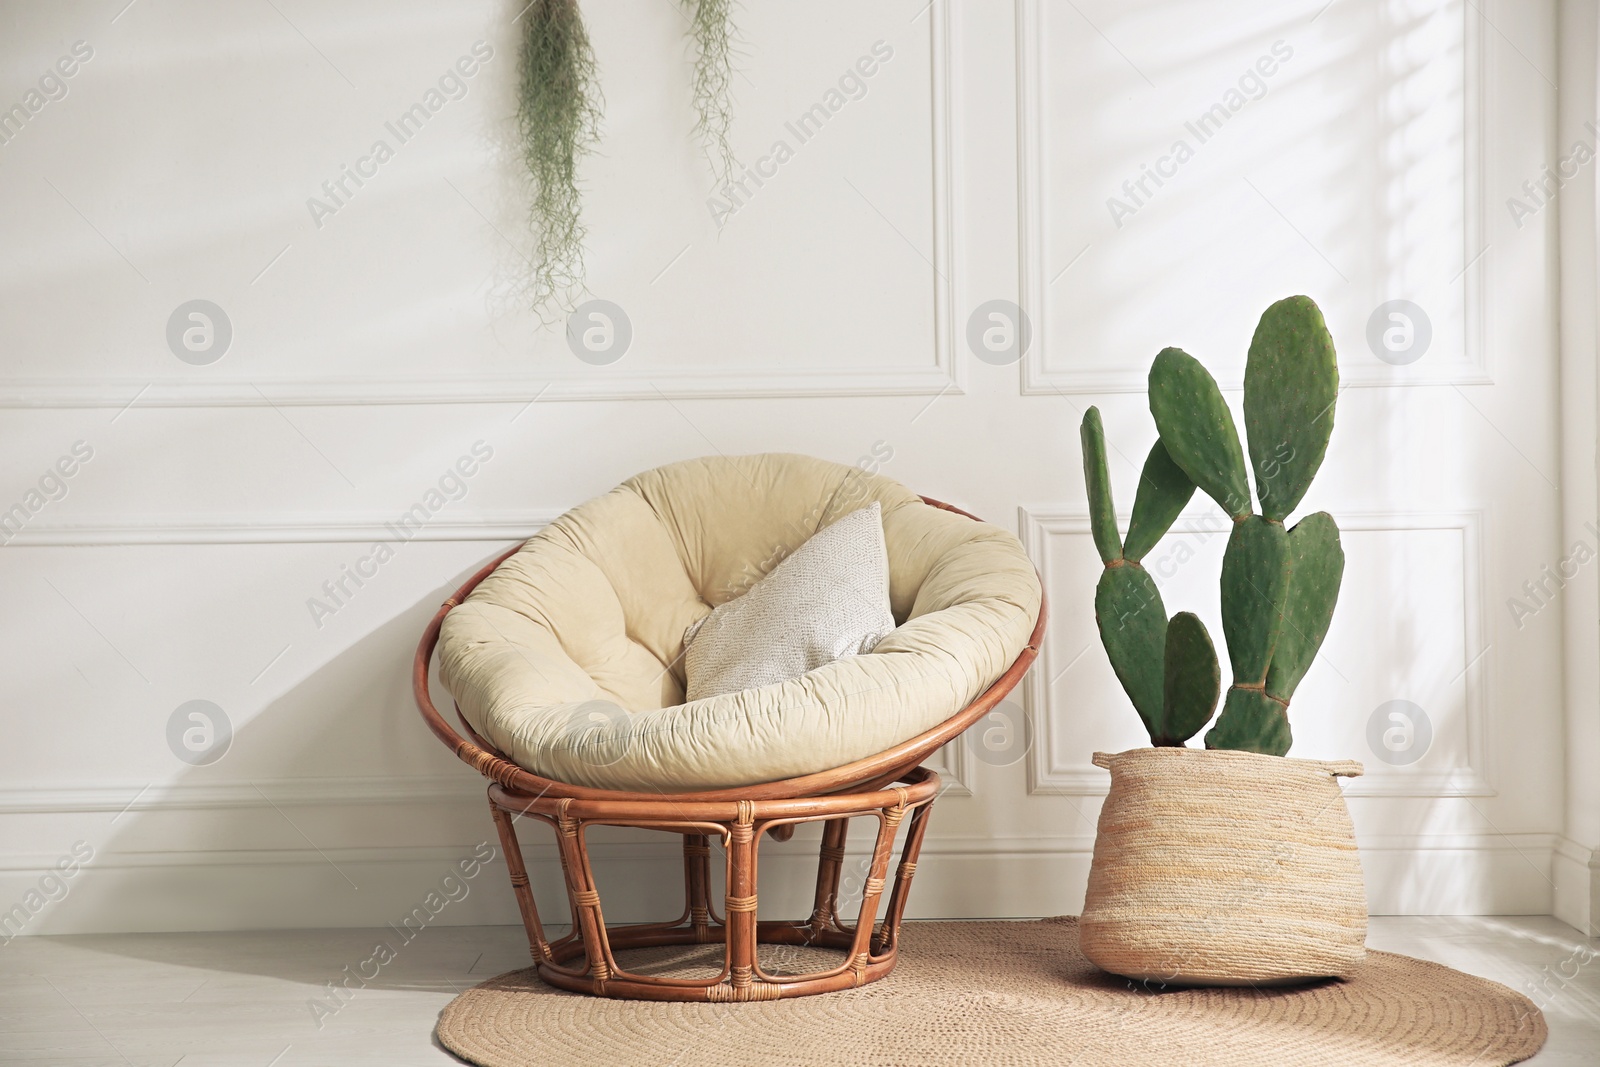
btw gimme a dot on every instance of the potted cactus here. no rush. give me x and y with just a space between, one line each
1230 864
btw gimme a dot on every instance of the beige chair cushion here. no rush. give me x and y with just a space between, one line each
826 600
591 613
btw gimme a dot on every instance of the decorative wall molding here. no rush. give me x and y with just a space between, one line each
1575 870
57 799
953 762
274 528
617 382
950 365
1032 185
600 385
970 875
1578 853
116 859
1046 776
75 798
1540 845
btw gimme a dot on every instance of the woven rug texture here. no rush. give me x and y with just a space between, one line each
1004 993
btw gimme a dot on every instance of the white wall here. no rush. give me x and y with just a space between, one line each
828 315
1577 862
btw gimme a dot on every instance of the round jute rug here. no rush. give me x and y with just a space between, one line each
1008 993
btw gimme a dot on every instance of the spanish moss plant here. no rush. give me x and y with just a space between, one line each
558 112
711 25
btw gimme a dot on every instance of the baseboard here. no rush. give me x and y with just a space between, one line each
958 877
259 793
1575 870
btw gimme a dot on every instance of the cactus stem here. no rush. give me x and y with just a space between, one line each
1261 687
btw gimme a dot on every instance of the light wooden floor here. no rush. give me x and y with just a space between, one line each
243 999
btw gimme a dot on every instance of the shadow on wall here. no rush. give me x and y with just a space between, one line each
289 840
296 845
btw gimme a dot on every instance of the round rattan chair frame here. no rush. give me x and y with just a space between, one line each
889 786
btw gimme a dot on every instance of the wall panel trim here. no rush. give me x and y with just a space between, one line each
947 374
272 528
1532 844
1048 777
1032 212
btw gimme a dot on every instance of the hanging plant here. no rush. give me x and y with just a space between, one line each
558 112
711 26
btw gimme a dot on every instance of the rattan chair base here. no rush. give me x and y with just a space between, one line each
585 961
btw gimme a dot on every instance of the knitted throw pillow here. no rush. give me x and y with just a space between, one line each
827 600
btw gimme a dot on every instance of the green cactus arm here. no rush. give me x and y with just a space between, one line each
1197 429
1290 384
1251 721
1193 680
1255 579
1316 568
1164 491
1133 628
1096 476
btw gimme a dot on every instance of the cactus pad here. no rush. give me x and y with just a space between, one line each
1133 627
1251 721
1255 577
1316 566
1197 429
1102 514
1290 384
1164 491
1193 681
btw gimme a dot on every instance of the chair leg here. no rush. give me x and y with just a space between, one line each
861 950
585 897
697 879
741 901
538 946
830 863
895 913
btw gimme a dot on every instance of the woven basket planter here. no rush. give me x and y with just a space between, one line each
1224 868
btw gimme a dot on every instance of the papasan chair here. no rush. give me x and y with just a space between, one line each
565 657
